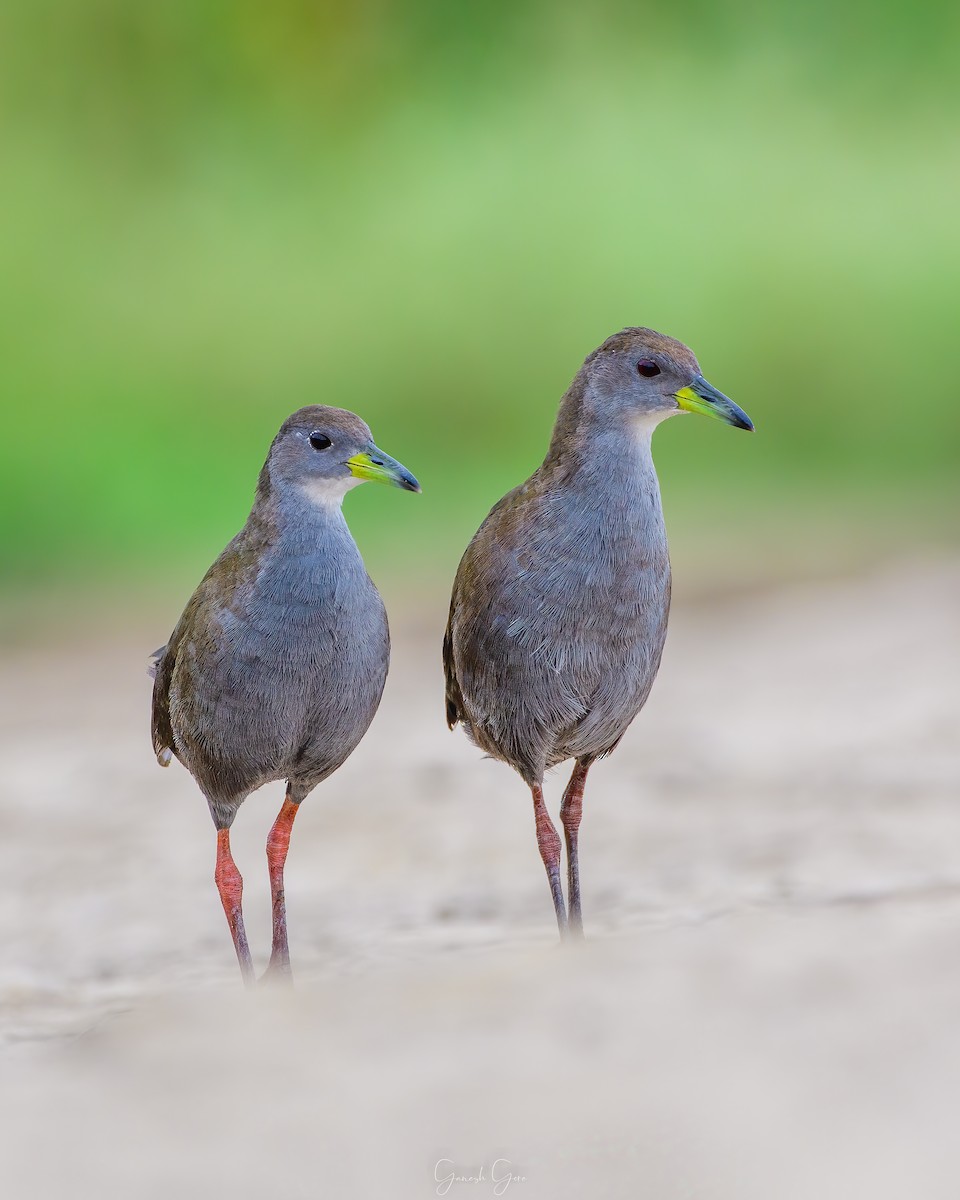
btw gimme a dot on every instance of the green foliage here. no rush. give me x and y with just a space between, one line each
430 214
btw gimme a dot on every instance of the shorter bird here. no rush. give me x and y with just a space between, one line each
559 608
277 665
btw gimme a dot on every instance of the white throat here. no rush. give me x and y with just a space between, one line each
644 425
328 493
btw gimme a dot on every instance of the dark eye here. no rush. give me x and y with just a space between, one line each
319 441
647 368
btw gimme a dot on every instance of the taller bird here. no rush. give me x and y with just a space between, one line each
559 608
277 665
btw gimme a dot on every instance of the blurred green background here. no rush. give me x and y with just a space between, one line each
430 213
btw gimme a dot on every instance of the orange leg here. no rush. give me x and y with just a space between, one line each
278 842
230 887
570 813
548 841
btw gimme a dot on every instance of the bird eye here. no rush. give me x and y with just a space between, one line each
319 441
647 368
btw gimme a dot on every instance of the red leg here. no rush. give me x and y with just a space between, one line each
230 887
278 842
570 813
548 841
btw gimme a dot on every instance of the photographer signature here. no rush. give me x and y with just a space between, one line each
500 1175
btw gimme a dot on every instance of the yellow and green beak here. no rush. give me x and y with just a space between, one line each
372 463
702 397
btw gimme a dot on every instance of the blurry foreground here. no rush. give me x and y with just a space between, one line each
766 1006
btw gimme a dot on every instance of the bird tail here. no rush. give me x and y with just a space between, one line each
155 659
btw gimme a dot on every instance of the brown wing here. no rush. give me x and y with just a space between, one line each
495 531
161 729
223 577
454 699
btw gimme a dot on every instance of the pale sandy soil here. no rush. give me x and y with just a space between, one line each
768 1006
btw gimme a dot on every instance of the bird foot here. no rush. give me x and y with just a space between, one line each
277 974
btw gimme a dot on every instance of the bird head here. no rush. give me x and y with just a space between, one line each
324 452
643 374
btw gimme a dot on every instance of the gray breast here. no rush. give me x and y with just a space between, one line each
286 679
563 653
595 624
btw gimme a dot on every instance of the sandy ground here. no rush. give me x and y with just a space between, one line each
768 1004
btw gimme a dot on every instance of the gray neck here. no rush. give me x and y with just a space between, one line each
307 546
610 483
304 567
304 525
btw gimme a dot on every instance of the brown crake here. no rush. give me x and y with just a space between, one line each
560 603
276 667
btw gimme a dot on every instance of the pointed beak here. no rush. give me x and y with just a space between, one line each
702 397
372 463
